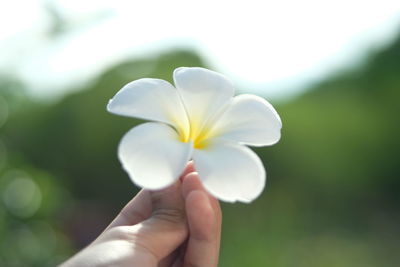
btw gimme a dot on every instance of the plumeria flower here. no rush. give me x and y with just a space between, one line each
198 119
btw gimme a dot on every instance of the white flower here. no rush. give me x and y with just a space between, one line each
200 119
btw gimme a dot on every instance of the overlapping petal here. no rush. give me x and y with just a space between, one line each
204 93
153 155
249 120
230 172
151 99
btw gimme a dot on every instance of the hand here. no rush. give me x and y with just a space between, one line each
177 226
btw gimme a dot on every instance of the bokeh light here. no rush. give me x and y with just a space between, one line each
21 195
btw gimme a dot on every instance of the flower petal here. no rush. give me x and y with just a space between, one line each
204 93
250 120
230 172
153 156
151 99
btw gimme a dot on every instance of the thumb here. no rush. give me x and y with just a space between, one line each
166 228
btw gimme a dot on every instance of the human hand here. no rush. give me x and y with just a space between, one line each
179 226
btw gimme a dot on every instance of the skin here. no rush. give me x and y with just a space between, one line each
179 226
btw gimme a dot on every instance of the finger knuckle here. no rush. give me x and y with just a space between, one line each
169 215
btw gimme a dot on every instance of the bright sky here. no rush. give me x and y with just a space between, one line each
270 47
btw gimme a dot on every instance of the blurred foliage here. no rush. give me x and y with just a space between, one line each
333 190
30 198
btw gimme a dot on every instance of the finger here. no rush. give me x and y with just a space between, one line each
189 168
204 220
166 228
137 210
204 237
192 182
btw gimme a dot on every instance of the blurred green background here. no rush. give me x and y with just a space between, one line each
333 190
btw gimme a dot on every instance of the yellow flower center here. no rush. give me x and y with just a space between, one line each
198 134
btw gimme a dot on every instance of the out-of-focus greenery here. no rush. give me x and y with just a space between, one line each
332 197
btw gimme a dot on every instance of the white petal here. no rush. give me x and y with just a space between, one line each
230 172
153 156
150 99
250 120
204 93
